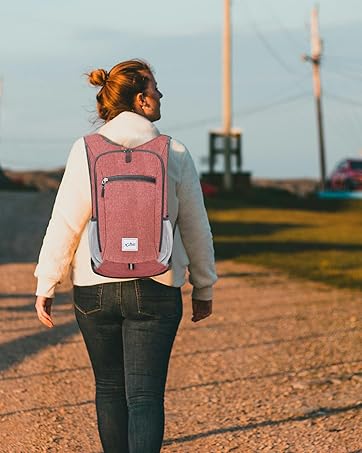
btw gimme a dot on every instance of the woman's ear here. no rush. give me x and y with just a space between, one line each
140 99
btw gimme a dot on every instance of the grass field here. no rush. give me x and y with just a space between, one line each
309 238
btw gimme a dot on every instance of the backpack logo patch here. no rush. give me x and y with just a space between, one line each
129 244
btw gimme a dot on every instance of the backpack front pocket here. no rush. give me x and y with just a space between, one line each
131 210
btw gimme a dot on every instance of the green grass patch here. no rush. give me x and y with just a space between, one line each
309 238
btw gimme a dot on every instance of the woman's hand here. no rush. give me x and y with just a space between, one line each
201 309
43 306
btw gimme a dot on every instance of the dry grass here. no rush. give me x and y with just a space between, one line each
308 238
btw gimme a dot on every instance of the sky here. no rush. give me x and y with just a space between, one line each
46 104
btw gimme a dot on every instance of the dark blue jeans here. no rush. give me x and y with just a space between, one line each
129 329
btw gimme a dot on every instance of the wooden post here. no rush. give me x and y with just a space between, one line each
227 108
1 104
315 59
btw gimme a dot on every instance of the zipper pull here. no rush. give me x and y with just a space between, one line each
128 156
104 182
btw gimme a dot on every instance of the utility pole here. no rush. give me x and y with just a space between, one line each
315 59
227 108
1 98
1 106
2 176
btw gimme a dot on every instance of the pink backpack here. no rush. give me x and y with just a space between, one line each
130 234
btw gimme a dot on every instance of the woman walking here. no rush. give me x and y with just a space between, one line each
128 325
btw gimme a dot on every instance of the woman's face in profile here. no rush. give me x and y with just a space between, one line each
152 96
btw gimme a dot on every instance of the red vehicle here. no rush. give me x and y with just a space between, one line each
347 175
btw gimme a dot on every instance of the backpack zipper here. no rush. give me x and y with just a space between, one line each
144 178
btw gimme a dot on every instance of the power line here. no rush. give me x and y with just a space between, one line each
347 75
268 46
347 134
284 101
343 99
247 112
339 132
353 121
282 27
187 125
272 52
355 114
346 59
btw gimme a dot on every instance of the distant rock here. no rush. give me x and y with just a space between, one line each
31 180
9 183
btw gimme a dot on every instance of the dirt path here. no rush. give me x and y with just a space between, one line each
277 368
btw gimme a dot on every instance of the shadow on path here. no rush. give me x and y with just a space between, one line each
318 413
17 296
42 408
249 274
231 228
256 377
252 377
234 249
17 350
26 308
270 343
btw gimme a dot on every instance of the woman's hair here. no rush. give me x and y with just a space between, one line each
119 86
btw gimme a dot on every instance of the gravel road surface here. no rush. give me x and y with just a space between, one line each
276 368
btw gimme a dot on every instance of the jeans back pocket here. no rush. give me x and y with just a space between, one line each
88 299
157 300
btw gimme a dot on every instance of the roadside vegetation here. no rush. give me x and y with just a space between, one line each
309 238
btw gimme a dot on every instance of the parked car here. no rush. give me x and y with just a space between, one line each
347 175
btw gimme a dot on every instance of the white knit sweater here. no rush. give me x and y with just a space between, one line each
66 240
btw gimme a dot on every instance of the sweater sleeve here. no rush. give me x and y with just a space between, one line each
71 210
195 231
